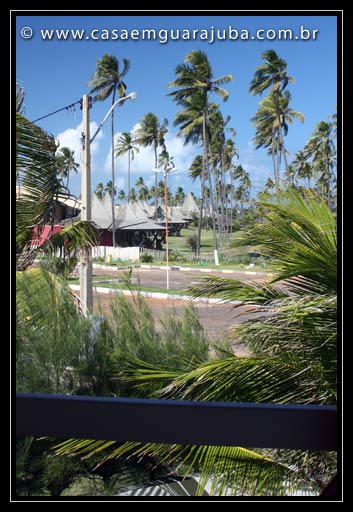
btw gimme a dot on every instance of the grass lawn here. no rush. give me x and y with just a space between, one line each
178 246
178 243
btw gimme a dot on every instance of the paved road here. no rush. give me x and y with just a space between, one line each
217 319
178 280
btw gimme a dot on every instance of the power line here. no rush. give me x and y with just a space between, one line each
56 111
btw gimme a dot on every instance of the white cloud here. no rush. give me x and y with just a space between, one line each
71 138
257 164
144 161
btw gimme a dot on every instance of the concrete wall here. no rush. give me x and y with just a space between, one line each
118 253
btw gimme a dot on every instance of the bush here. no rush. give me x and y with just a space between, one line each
176 256
191 242
146 258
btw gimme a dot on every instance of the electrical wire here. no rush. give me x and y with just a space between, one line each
56 111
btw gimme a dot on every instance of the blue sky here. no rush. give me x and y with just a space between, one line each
55 74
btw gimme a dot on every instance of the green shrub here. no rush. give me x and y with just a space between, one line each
146 258
191 241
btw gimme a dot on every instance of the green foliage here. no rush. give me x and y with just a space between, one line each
191 242
58 265
38 187
179 343
49 333
292 334
38 474
146 258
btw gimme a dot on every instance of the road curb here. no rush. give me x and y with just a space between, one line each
153 295
182 269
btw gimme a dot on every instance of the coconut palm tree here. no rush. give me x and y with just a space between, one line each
65 161
292 337
321 149
272 74
151 133
99 191
242 193
121 195
132 197
271 109
36 177
269 185
142 189
302 166
195 81
109 189
165 160
179 196
125 144
108 80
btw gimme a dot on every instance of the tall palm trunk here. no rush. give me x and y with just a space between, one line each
224 208
233 205
281 140
128 170
278 165
275 159
216 198
113 171
198 242
155 177
210 187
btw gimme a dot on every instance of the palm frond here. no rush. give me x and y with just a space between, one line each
300 235
78 235
231 290
36 178
237 379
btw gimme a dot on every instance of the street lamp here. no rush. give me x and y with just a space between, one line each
131 96
86 257
166 171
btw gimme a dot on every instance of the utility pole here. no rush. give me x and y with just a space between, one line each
86 255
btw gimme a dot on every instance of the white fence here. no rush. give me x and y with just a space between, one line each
117 253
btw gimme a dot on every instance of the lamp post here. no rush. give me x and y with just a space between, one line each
86 257
131 96
165 172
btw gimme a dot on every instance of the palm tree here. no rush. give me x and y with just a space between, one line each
303 168
121 195
321 148
99 191
271 109
272 74
132 197
269 185
142 189
65 161
107 81
292 336
195 81
179 196
165 160
109 189
36 175
243 190
125 144
151 133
